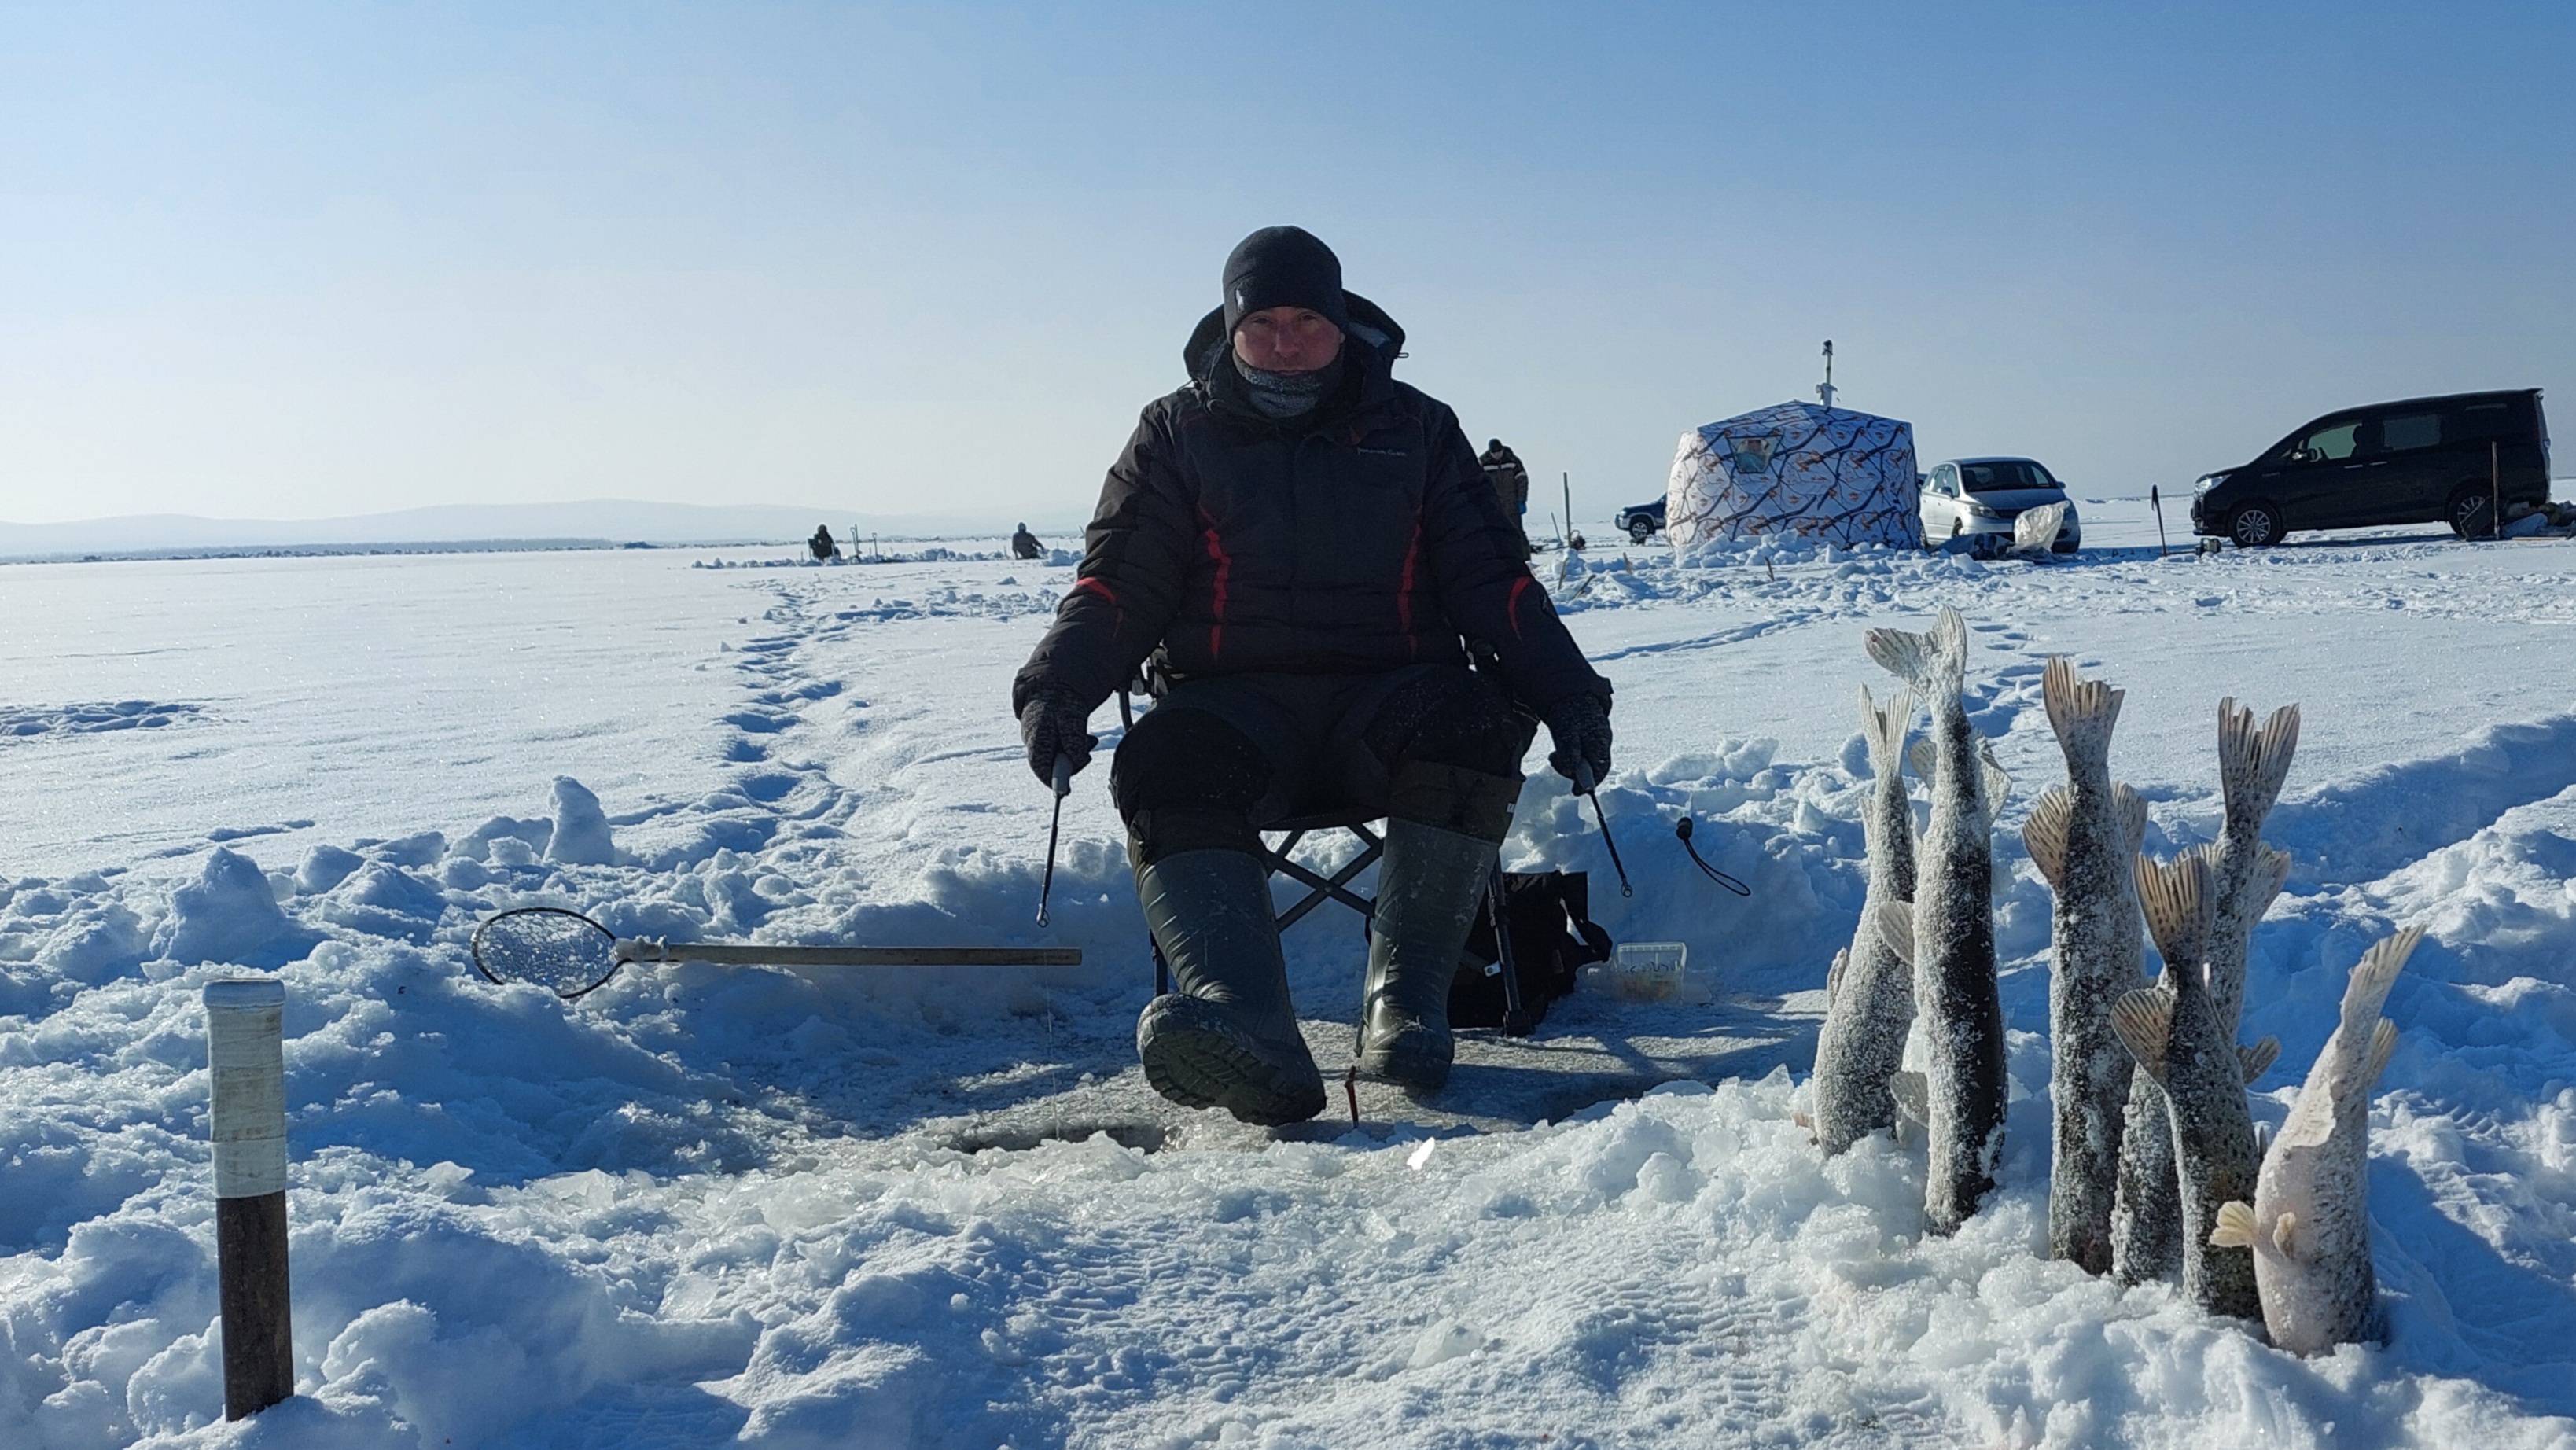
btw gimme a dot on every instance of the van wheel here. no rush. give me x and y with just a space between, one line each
2471 513
1640 531
2255 525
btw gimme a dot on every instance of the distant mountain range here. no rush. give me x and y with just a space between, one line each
611 520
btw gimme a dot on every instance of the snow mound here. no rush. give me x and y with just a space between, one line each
580 836
229 914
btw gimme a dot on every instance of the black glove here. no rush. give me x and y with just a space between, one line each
1580 726
1056 723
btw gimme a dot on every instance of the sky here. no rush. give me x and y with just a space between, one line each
307 261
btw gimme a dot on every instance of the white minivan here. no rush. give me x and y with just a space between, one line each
1977 499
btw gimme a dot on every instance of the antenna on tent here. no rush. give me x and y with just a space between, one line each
1826 392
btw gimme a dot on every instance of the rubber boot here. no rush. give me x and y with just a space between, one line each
1429 890
1228 1037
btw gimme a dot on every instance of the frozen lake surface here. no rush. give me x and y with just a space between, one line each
939 1209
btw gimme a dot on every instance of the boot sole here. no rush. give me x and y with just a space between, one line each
1197 1057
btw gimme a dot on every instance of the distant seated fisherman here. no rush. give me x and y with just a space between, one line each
821 543
1025 545
1307 546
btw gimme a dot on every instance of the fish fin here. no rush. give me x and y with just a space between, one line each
1992 784
1884 730
2081 711
2285 1232
2383 1041
2044 834
2234 1228
1950 646
2143 1020
2130 809
2175 896
1902 653
1934 662
1913 1094
2271 873
2252 762
1921 756
2258 1058
1895 923
2262 1141
2372 976
1834 974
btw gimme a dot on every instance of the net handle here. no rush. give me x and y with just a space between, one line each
642 949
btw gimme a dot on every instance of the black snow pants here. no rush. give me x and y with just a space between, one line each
1223 757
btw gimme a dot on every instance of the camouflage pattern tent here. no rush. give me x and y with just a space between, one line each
1799 470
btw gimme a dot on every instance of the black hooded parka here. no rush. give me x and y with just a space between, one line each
1359 537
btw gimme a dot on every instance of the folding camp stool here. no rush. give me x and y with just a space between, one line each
1336 888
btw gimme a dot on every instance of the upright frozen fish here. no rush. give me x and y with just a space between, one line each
2083 837
2309 1224
2252 763
1870 1001
2246 876
2173 1031
1953 944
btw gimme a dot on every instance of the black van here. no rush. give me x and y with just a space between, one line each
2422 460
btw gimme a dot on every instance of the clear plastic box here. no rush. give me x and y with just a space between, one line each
1650 971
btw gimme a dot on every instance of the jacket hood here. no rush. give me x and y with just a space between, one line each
1375 333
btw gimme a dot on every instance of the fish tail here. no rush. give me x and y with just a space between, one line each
2143 1021
1935 662
2252 763
2044 834
1895 926
1884 730
1993 785
2130 809
2367 993
2377 971
2082 712
2175 895
1923 758
2383 1041
2271 874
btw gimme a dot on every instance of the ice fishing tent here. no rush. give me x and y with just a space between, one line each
1797 470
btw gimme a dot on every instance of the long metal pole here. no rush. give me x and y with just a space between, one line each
246 1054
2155 497
744 954
2495 493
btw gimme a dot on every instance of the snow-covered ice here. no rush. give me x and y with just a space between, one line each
940 1209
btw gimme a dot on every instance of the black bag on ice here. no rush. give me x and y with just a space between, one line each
1553 937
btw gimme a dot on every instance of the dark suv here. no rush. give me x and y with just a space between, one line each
2423 460
1641 521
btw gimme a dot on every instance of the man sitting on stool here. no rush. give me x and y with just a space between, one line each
1303 542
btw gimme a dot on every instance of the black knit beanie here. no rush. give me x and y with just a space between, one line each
1283 267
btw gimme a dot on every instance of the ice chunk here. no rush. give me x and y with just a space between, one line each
581 827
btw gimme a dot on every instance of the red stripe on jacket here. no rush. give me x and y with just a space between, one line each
1512 606
1216 589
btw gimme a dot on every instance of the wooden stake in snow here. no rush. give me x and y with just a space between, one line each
244 1048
